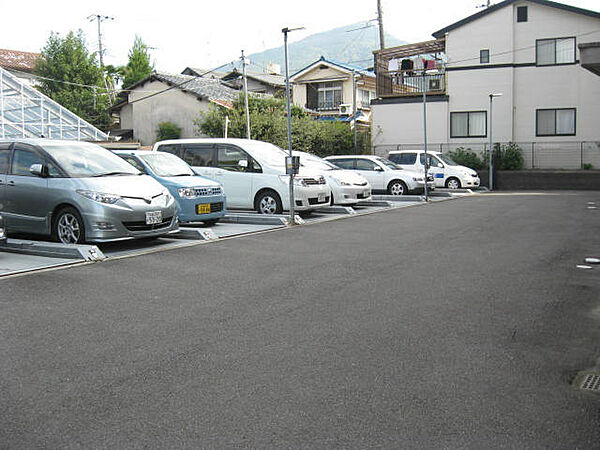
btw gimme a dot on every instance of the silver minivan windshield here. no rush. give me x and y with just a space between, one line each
166 164
82 160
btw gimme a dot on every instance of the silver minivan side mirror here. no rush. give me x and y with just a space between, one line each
37 170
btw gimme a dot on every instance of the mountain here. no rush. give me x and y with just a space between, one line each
351 44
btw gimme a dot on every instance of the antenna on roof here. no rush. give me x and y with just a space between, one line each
485 5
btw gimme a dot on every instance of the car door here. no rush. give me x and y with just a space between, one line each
436 168
372 172
201 157
4 165
234 170
26 205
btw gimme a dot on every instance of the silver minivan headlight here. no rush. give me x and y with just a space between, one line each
100 197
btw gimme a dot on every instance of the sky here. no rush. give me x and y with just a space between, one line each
206 34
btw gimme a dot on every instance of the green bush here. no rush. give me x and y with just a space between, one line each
466 158
506 157
167 130
588 166
268 122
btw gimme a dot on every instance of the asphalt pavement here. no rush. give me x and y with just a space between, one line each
458 324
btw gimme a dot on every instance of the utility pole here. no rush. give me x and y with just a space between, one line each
285 32
100 18
380 20
426 163
354 112
243 58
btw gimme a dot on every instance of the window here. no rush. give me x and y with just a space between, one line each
521 13
555 122
550 52
134 162
344 163
199 155
484 56
4 154
230 157
468 124
329 95
174 149
365 97
404 158
365 164
432 161
23 159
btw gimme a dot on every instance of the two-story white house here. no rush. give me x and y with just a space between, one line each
330 89
526 50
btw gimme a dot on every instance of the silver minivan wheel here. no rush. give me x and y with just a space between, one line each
397 187
68 227
453 183
268 203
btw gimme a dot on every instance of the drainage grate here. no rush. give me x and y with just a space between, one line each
591 382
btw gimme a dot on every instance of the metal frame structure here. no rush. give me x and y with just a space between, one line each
27 113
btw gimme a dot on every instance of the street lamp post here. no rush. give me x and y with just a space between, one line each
285 32
491 173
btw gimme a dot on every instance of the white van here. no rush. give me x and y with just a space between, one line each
446 172
252 173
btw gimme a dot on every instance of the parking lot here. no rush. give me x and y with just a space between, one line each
26 254
460 324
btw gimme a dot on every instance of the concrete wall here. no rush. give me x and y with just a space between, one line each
174 106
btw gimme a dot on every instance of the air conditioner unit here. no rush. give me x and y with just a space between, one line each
346 109
435 84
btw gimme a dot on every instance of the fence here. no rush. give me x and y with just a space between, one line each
537 155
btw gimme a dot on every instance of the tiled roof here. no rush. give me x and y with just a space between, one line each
270 79
344 66
202 87
16 60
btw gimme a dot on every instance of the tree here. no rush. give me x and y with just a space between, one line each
167 130
268 122
67 60
139 66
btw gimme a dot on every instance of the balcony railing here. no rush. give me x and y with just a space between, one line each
425 71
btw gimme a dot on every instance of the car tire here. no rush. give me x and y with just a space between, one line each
453 183
68 227
397 187
210 222
268 202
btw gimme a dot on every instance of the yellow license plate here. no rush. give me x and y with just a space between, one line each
203 208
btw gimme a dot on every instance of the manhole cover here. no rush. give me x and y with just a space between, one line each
591 382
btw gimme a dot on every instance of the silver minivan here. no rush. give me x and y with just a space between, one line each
79 192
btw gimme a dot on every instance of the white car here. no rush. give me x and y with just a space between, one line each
383 175
446 172
347 187
251 172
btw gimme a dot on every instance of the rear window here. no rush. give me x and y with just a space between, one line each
199 155
403 158
174 149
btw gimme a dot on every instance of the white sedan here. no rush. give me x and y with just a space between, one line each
347 187
383 175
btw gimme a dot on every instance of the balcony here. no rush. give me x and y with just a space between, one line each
408 70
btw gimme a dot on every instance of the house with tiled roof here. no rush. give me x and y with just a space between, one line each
164 97
263 83
330 89
20 64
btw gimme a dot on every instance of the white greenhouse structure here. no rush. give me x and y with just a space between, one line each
27 113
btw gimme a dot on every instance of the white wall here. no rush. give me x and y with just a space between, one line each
172 106
403 123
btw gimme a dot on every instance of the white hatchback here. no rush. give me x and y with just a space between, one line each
252 173
446 172
383 175
347 187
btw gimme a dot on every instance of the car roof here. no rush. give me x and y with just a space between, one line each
42 141
433 152
208 141
351 156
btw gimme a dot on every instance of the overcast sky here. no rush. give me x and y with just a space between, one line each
207 33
